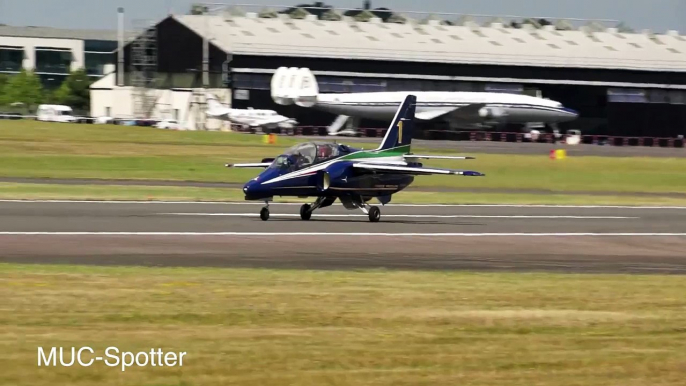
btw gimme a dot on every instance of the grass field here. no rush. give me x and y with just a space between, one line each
263 327
34 149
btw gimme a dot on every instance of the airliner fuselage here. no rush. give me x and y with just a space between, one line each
512 108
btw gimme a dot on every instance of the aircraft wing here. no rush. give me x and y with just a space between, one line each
250 165
413 170
412 157
466 113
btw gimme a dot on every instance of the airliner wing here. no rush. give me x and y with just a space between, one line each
413 170
433 114
467 112
250 165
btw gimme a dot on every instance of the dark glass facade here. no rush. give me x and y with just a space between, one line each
11 58
53 60
96 61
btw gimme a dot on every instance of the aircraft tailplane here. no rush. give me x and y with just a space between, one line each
400 131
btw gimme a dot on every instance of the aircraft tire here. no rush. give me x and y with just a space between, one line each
374 214
305 213
264 214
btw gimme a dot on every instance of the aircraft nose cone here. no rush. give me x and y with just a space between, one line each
250 187
571 112
256 190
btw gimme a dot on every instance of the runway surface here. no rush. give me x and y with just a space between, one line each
513 238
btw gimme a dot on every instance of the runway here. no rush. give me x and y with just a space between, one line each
503 238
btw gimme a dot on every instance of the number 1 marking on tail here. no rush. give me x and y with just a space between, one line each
400 132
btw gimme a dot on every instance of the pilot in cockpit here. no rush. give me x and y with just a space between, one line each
301 161
324 152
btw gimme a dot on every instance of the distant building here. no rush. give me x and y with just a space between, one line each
621 83
52 53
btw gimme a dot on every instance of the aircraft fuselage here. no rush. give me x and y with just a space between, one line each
511 108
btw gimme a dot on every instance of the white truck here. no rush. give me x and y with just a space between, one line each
55 113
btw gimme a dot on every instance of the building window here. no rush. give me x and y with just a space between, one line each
53 60
11 58
96 61
176 114
677 97
505 88
242 80
626 95
108 111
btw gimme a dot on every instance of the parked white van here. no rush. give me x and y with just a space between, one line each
55 113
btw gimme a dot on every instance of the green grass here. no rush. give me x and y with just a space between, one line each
162 193
34 149
264 327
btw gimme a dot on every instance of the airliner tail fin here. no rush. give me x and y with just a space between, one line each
294 85
306 88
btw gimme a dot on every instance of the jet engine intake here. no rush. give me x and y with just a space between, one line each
335 174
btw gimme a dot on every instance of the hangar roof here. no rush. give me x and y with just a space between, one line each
470 43
57 33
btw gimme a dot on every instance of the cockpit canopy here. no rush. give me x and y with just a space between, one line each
309 153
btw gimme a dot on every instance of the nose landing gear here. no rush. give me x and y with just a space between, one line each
264 212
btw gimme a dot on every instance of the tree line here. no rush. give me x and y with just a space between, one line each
25 89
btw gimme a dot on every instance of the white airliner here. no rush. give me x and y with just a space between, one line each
248 117
459 109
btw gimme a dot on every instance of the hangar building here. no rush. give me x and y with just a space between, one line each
622 83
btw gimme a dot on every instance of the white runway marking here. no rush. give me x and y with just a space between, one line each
310 234
406 216
391 205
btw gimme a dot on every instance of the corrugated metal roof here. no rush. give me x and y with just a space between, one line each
468 44
58 33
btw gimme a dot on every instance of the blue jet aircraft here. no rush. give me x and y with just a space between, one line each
330 171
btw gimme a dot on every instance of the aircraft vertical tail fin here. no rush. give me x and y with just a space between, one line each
214 107
399 133
282 85
307 88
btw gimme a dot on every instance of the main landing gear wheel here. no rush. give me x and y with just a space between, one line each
305 212
374 214
264 214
